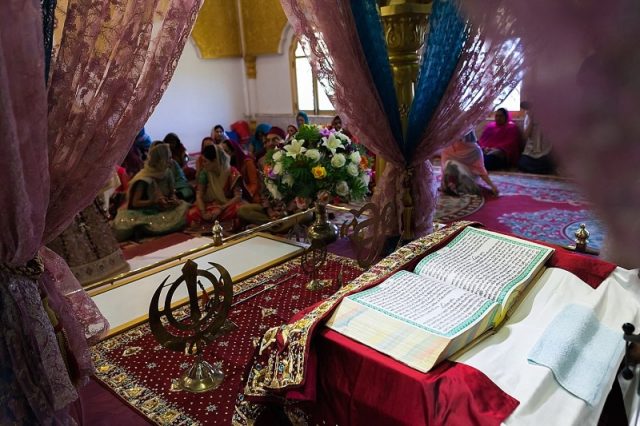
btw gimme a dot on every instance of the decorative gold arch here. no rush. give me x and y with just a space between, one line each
217 29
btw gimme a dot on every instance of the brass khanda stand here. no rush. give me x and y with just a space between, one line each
207 313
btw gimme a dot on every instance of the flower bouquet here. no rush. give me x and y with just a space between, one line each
317 159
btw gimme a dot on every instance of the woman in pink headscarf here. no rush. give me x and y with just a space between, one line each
462 162
500 142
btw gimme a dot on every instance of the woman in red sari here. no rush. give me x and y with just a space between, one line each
219 191
500 142
246 164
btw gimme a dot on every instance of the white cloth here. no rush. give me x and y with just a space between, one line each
581 352
503 356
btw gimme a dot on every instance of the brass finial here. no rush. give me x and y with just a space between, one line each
582 238
217 234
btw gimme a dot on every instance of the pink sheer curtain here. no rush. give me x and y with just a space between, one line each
486 71
584 89
328 35
114 61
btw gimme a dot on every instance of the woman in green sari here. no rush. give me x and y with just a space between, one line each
152 206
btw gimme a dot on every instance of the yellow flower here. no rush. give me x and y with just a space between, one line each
319 172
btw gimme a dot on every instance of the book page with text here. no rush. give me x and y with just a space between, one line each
485 263
424 303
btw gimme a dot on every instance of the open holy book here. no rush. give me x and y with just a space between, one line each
454 296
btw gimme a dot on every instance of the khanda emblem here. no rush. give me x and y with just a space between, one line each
189 329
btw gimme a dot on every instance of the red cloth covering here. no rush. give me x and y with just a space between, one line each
358 385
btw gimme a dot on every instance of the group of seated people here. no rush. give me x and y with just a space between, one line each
228 183
502 145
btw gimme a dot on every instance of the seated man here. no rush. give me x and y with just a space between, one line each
500 142
536 157
271 209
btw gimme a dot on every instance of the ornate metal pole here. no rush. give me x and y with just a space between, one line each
405 25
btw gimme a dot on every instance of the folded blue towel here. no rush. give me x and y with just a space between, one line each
582 353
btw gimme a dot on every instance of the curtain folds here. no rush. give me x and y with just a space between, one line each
328 34
443 45
48 23
370 33
344 43
113 63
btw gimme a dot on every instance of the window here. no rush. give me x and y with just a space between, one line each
512 102
308 93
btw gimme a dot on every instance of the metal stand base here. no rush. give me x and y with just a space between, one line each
200 377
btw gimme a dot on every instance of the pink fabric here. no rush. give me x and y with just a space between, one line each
467 153
505 137
584 90
23 131
329 37
108 75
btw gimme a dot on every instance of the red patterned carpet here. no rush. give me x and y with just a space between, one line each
544 208
135 367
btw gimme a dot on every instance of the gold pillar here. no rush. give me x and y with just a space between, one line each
405 24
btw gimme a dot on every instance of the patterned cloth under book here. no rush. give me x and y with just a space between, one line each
89 247
139 370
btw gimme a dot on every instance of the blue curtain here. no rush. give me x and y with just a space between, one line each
48 16
374 46
444 44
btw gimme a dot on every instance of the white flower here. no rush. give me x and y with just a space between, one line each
366 177
273 190
277 155
294 148
277 169
288 180
338 161
352 169
343 137
313 154
342 188
332 143
355 157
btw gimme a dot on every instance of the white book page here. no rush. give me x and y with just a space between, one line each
485 263
425 303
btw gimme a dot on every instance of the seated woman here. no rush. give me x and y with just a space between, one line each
256 144
207 141
500 142
219 193
218 134
291 132
302 118
244 133
152 207
184 190
246 165
178 151
462 163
